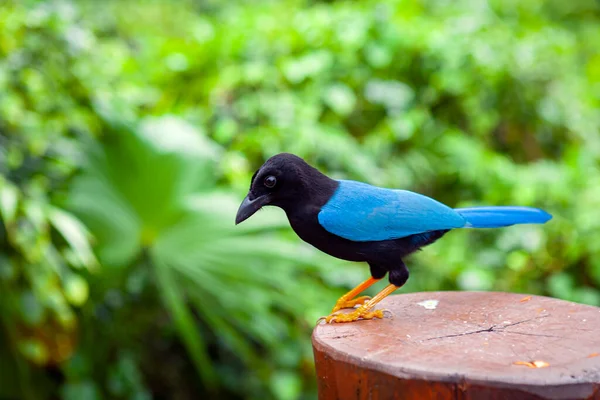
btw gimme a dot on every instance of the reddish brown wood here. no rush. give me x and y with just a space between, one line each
465 348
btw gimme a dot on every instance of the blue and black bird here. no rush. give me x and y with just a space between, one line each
355 221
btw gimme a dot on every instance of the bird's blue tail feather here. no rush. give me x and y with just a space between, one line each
496 217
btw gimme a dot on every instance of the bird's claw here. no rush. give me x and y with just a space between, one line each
341 304
353 316
350 303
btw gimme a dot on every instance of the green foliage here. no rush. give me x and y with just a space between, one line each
168 212
44 250
129 131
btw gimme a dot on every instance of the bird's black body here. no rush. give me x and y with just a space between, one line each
305 191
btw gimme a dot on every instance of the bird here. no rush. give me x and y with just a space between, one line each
359 222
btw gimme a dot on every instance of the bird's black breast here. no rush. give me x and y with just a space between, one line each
307 227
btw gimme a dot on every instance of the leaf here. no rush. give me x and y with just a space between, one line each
340 98
148 170
115 225
86 389
172 135
217 317
310 64
32 311
76 234
34 350
9 199
184 321
394 95
76 290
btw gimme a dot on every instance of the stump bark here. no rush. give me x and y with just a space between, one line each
463 345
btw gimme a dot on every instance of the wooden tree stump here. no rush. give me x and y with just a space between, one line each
463 345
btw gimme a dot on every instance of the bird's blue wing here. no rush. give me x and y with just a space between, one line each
361 212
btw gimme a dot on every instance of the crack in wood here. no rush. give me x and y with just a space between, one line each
535 334
497 328
343 336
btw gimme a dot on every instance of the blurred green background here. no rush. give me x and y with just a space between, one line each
129 131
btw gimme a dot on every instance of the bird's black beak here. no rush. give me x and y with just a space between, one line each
249 207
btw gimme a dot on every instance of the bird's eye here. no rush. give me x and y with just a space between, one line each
270 181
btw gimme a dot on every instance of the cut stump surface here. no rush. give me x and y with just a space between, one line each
463 345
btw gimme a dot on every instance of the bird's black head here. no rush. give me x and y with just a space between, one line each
284 180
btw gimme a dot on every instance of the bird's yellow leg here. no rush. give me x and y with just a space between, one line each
348 300
364 311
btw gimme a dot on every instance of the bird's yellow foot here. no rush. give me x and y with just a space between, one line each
362 312
342 303
354 316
